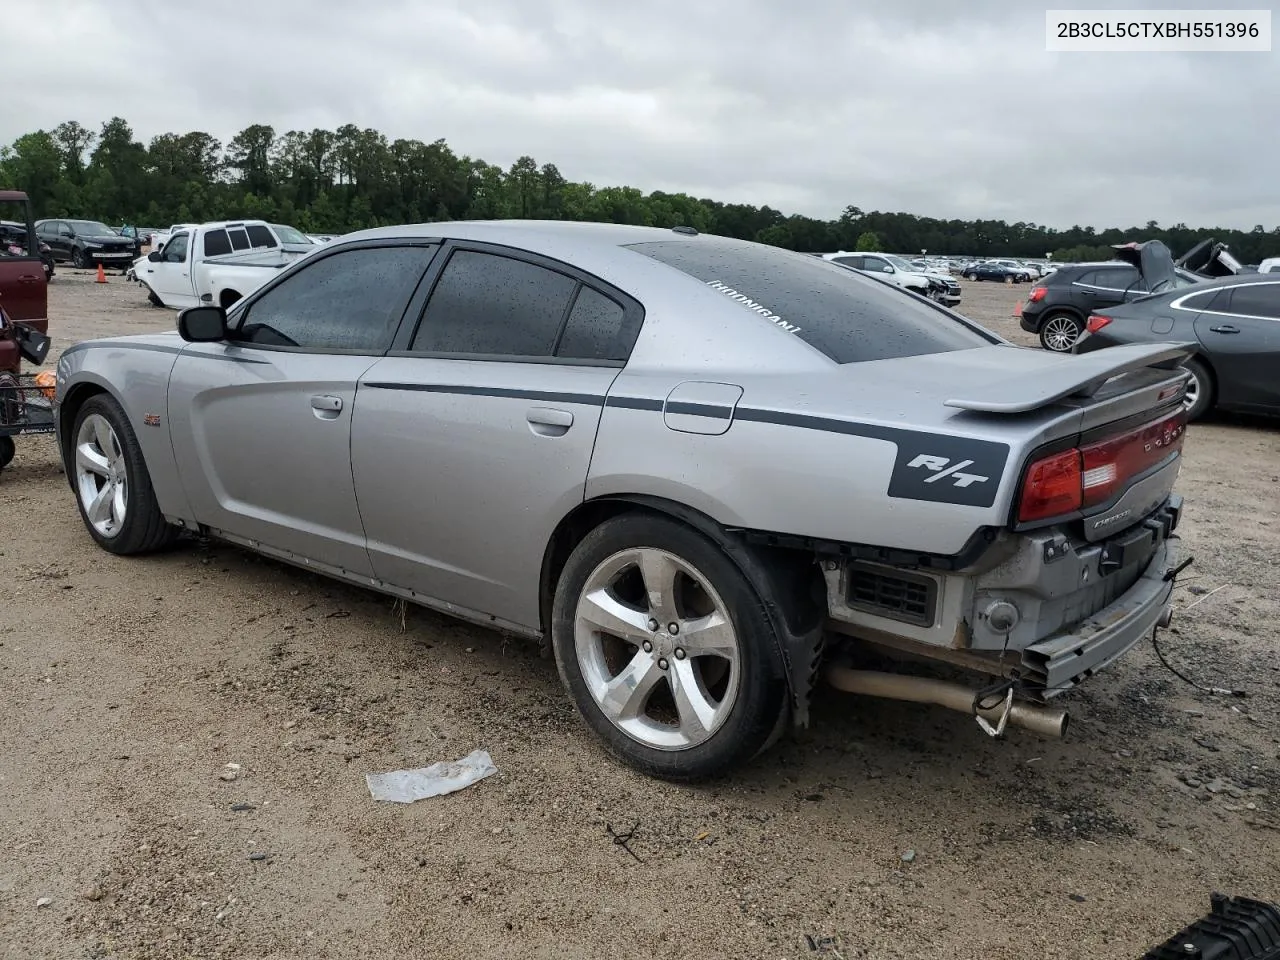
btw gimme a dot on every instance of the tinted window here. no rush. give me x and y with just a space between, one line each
350 301
855 262
1116 278
260 236
597 329
216 243
1256 300
175 251
847 316
495 306
239 239
875 264
1210 299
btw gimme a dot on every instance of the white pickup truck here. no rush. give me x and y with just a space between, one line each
218 263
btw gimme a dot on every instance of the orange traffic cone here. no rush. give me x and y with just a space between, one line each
102 275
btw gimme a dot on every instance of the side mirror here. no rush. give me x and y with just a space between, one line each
154 256
203 324
888 268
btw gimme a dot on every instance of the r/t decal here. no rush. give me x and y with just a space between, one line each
943 467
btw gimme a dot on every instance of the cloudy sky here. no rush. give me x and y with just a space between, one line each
937 107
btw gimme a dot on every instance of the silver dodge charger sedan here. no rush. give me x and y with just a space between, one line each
705 472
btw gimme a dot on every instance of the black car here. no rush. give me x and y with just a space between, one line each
1235 324
1057 307
995 271
13 236
86 243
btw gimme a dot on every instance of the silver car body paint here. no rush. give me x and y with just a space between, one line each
442 479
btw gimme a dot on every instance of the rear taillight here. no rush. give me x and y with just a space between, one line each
1096 322
1083 477
1037 294
1052 487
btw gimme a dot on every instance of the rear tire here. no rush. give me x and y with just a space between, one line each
696 701
1059 332
113 488
1200 391
8 450
971 276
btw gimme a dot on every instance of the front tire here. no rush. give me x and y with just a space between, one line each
666 649
113 487
8 450
971 276
1200 391
79 260
1059 332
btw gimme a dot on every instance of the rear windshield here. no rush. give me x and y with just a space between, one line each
844 314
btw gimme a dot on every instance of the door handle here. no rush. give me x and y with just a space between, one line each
549 422
1225 328
326 407
28 278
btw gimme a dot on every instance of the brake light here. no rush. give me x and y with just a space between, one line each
1083 477
1037 294
1096 322
1052 487
1110 463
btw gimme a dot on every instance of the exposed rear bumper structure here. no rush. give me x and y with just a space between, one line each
1054 666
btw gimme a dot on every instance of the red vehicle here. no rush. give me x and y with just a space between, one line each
24 325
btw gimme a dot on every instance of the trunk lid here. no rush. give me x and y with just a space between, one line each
1153 261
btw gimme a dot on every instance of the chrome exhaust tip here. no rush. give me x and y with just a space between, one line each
1049 722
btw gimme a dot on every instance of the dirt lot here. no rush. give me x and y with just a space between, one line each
127 685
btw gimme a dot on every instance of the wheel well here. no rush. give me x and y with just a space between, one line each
76 398
789 580
1069 310
227 298
1203 360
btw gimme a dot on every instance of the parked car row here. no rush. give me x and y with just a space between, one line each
901 273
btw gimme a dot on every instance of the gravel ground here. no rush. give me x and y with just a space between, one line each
887 830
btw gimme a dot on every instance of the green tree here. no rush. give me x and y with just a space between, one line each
868 241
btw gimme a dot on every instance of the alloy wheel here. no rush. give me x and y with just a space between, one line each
657 648
102 481
1060 334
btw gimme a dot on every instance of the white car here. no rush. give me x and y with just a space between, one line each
899 272
1269 265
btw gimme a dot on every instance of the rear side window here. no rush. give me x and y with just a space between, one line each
260 236
847 316
239 239
1117 278
1256 300
216 243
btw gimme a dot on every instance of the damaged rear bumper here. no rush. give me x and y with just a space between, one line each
1053 666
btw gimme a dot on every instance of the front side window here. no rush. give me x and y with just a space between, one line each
846 316
348 302
175 251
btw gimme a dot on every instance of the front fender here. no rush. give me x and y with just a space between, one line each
136 375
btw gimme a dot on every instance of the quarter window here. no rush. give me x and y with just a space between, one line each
597 329
490 305
1210 299
260 236
352 301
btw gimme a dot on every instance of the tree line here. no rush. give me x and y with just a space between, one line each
335 181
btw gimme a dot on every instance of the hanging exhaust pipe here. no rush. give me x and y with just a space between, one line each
1046 721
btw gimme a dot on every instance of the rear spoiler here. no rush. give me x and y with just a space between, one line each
1077 375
